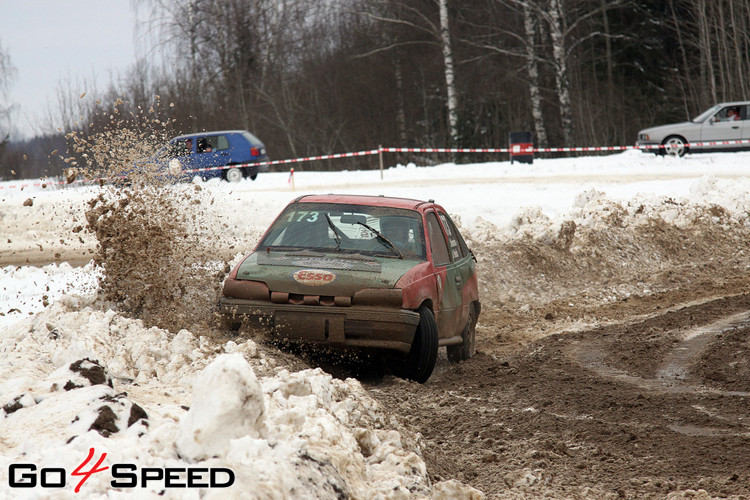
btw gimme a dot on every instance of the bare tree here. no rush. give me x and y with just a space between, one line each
450 83
530 24
7 75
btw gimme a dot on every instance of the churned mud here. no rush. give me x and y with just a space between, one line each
626 410
613 346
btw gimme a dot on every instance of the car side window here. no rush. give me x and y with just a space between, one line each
728 114
182 147
222 143
458 247
440 254
212 143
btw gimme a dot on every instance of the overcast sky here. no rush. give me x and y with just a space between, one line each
53 43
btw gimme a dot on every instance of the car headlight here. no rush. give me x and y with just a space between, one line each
246 289
386 297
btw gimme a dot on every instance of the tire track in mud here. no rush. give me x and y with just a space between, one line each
673 373
616 411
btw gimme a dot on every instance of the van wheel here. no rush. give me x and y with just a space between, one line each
234 175
253 175
424 348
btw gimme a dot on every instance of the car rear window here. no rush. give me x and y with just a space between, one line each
250 137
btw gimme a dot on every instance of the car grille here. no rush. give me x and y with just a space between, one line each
310 300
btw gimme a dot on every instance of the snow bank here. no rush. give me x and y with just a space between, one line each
73 378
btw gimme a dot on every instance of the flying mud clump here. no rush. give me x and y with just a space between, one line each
147 231
151 268
124 149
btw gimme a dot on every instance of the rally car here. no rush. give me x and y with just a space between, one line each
387 275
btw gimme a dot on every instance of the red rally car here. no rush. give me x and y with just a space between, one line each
388 275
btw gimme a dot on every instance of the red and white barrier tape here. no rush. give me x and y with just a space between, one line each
517 149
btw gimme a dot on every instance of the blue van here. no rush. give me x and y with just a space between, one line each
216 149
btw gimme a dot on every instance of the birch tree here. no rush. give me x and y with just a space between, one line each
450 84
530 24
398 13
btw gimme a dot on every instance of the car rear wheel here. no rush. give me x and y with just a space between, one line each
424 348
675 145
234 174
253 175
466 349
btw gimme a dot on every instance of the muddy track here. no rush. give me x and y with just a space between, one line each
637 408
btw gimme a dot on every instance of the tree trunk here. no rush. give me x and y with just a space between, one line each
449 74
532 68
561 70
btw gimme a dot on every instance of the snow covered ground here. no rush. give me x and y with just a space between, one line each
175 400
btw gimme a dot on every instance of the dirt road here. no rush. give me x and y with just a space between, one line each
654 403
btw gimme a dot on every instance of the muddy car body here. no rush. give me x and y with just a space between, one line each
388 275
226 154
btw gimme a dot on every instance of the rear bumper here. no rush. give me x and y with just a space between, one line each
356 326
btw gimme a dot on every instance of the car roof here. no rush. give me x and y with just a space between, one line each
354 199
733 103
210 132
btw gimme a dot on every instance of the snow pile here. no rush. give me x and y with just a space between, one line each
605 250
19 300
73 378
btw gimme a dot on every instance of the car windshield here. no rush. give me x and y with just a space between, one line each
333 227
706 114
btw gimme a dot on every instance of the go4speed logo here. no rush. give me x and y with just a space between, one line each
121 475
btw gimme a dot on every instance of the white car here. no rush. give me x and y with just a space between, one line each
718 128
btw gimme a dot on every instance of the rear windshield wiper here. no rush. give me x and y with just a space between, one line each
383 238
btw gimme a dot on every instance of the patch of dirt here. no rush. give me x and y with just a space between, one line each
725 364
586 414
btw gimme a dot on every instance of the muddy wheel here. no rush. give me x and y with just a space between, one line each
234 175
466 349
424 348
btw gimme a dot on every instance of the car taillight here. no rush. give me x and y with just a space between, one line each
255 151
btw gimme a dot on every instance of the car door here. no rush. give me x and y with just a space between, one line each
447 276
180 156
745 117
208 152
721 127
463 266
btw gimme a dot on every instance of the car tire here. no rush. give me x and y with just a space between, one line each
675 145
234 174
424 348
253 174
466 349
